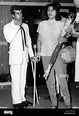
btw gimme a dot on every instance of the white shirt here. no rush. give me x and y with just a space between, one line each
48 33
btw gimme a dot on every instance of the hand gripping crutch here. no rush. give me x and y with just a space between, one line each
35 95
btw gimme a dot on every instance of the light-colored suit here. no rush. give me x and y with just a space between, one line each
12 35
18 59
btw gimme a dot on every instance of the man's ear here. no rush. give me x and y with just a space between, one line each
13 16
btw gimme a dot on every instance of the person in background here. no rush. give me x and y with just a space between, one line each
48 34
76 28
17 35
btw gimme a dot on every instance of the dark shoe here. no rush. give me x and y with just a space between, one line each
19 106
27 103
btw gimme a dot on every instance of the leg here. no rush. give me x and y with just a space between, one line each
65 91
23 81
15 75
62 75
77 63
57 85
23 77
77 69
59 92
50 82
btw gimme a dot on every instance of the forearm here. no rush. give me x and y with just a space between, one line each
39 46
30 51
29 48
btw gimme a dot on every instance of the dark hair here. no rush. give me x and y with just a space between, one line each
15 7
56 6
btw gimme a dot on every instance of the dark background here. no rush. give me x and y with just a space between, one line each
32 16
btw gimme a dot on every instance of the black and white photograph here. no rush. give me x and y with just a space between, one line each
39 56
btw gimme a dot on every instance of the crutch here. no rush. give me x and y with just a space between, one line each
35 95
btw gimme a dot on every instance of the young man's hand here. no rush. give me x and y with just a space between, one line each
16 22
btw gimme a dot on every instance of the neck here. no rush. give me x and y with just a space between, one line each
52 19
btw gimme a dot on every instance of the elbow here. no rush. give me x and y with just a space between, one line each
7 39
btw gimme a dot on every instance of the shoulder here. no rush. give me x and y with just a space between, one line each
8 24
60 22
25 25
43 22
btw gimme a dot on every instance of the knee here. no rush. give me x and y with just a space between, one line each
63 75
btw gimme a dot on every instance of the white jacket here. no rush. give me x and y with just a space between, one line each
12 34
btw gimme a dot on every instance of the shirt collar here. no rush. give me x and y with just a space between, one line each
52 20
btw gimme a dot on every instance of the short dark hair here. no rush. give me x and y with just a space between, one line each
15 7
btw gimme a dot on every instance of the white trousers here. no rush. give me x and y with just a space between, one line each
18 75
77 63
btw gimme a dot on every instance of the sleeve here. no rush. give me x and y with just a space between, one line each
39 28
39 41
39 31
29 43
10 33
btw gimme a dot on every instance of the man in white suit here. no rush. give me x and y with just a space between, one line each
18 55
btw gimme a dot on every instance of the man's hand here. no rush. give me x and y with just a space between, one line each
34 59
38 56
17 22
